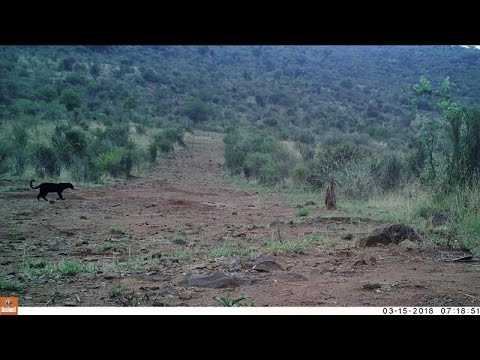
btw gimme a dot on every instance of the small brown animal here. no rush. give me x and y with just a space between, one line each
46 188
275 226
330 198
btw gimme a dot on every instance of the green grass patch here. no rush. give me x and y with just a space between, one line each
179 240
303 212
298 246
118 290
119 230
180 255
228 302
43 268
8 285
108 246
130 264
226 250
461 231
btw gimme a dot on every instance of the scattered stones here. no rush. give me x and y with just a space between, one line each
464 259
408 245
291 277
320 272
360 262
149 288
159 277
213 266
160 304
322 269
185 296
277 222
384 288
200 266
372 286
266 263
345 252
415 259
348 237
236 265
215 281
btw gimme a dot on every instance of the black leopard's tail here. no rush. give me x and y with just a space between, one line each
31 182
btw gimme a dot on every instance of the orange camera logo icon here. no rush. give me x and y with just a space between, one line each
9 305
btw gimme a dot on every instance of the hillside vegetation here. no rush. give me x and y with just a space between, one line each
382 119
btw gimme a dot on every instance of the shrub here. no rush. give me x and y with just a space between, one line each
46 161
300 174
112 162
47 93
197 111
6 151
70 99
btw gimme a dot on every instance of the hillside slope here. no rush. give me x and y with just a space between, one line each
287 88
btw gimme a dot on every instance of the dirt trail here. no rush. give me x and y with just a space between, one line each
157 241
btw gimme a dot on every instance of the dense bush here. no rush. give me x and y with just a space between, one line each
257 156
113 162
46 162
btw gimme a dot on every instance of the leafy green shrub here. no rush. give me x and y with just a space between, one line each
112 162
257 156
95 70
70 99
303 212
197 111
389 171
227 302
300 174
77 140
175 135
7 285
163 143
355 180
47 93
6 152
67 64
153 151
46 161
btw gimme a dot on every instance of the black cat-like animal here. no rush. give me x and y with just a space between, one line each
46 188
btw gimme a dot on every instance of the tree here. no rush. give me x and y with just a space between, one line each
47 93
70 99
458 127
196 111
67 64
95 70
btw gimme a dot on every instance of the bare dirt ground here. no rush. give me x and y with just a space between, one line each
181 234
